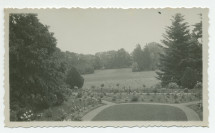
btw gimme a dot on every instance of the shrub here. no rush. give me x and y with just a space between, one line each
48 113
93 87
176 101
79 95
134 98
198 85
155 90
168 95
135 67
99 100
102 85
74 78
22 114
172 85
198 89
13 116
77 118
189 78
60 98
117 84
114 98
158 86
186 90
175 96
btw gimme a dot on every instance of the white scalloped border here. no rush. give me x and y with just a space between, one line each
120 124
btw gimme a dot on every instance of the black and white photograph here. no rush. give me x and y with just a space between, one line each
106 65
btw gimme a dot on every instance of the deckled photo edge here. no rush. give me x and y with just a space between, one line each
203 123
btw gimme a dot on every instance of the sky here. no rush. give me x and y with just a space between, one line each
88 31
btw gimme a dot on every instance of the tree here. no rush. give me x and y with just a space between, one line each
97 63
174 60
113 59
135 67
74 78
83 63
137 55
121 59
36 66
155 51
146 58
189 78
195 50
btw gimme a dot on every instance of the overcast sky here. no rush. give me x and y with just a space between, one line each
89 31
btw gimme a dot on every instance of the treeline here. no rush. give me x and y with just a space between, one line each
140 59
40 75
181 61
86 64
147 58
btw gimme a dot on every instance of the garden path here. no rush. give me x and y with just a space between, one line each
89 116
191 115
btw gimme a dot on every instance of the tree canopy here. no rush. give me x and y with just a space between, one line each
147 59
182 58
36 66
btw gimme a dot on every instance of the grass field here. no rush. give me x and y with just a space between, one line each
141 112
123 77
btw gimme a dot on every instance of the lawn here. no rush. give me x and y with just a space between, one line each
141 112
197 109
124 77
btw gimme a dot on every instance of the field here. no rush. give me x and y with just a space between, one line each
141 112
124 77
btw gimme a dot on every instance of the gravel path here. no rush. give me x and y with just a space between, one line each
89 116
191 115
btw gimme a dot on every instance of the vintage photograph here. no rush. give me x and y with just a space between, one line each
106 66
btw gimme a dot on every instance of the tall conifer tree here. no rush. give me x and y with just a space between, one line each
176 42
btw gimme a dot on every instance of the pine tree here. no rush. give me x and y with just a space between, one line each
195 51
174 60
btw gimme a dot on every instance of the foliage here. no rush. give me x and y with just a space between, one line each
158 86
172 85
138 57
135 67
74 78
146 59
198 86
114 59
134 98
36 67
188 78
84 64
37 76
181 61
102 85
186 90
